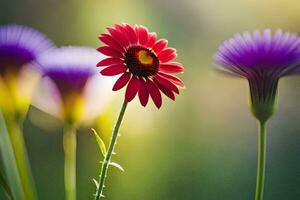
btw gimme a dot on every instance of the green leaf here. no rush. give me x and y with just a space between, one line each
116 165
9 163
96 183
100 143
5 186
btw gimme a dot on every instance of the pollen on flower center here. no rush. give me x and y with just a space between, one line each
145 57
141 61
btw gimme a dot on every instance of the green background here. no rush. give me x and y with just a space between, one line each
203 145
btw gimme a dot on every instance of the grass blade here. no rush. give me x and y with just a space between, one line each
10 166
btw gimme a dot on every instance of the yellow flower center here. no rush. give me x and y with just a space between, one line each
145 57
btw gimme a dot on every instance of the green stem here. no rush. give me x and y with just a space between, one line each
107 157
69 142
20 154
261 162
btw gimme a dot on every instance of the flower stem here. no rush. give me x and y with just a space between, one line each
261 162
20 154
109 153
69 142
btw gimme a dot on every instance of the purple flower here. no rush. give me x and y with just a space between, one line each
20 45
263 59
69 69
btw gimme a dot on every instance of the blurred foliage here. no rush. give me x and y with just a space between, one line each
203 146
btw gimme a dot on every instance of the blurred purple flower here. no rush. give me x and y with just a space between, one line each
69 67
70 71
20 45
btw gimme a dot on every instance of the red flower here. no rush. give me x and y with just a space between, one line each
144 62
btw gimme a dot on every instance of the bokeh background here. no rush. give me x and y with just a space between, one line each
203 145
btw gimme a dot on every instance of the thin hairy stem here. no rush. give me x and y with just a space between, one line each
106 160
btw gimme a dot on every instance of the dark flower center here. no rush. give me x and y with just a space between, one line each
141 61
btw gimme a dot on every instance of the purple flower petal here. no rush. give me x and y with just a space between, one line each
260 53
69 67
20 45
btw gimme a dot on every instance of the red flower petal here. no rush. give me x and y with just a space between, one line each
131 34
166 83
122 81
166 91
172 67
143 93
142 34
121 28
167 55
110 52
154 93
113 70
109 61
151 39
168 58
173 79
160 45
132 88
118 36
108 40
